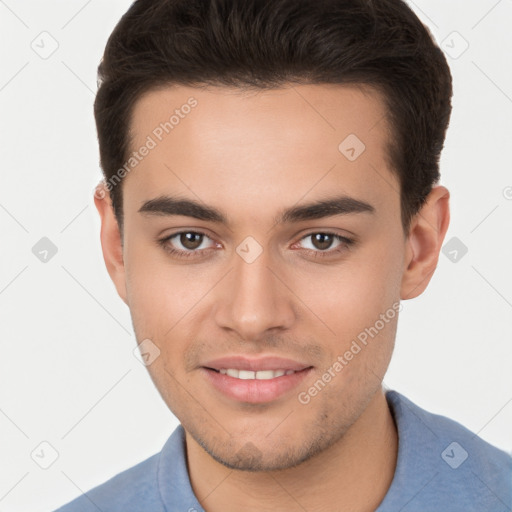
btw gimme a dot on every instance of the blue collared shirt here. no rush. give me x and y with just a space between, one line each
441 467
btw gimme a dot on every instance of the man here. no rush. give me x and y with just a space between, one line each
271 194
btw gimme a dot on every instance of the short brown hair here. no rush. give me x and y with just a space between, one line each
269 43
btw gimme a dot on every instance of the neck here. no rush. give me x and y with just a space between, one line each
354 474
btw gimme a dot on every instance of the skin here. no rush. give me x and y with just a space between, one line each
250 155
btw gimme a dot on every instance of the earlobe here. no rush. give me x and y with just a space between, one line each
423 245
111 243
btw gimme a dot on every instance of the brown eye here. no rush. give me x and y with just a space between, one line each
191 240
187 244
322 241
324 244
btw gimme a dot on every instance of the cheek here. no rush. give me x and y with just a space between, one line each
160 294
353 295
359 304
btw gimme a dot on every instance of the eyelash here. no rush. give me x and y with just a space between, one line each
346 243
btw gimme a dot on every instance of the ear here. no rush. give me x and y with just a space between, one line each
111 243
424 242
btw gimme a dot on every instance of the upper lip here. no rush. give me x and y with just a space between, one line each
255 364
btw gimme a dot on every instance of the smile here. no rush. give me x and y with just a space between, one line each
258 375
254 386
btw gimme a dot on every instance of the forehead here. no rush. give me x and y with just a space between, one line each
236 147
324 110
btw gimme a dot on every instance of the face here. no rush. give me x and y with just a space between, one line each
262 236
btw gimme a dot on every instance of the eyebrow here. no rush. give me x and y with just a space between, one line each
339 205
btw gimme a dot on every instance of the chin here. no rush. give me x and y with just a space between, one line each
248 457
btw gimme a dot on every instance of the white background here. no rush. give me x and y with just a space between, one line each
68 374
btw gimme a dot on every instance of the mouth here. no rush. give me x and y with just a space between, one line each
254 381
249 375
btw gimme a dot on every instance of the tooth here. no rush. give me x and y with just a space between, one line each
245 375
249 375
265 374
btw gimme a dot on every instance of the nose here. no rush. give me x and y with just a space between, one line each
254 299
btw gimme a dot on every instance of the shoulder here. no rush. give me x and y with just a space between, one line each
158 483
134 489
450 431
439 458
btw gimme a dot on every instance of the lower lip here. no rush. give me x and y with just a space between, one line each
255 391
